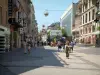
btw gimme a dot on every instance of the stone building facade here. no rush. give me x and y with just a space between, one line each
77 24
4 13
17 15
88 29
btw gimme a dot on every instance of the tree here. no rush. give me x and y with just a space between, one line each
48 35
98 28
64 33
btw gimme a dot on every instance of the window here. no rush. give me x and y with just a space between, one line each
0 15
93 13
89 29
86 30
89 16
89 4
93 28
83 8
83 19
86 18
81 31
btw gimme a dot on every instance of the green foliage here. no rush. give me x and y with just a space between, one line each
64 34
98 28
58 27
48 33
54 39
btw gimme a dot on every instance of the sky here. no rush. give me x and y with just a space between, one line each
55 9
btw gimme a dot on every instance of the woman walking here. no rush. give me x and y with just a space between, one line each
67 49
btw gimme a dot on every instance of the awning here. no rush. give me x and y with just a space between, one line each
6 30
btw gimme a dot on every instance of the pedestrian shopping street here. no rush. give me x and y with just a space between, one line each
47 61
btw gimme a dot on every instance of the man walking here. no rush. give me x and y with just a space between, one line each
72 45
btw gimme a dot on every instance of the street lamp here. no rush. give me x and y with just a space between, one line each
46 13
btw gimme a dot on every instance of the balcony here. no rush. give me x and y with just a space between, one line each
13 21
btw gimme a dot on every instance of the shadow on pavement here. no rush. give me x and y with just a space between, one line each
18 62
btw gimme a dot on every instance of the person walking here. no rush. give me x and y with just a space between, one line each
72 45
59 46
38 43
24 44
67 49
35 44
29 44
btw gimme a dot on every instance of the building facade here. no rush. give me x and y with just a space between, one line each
77 24
88 30
18 12
54 26
19 17
4 13
68 19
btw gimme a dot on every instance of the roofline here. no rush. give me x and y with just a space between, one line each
67 10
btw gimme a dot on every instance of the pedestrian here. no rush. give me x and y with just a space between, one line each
24 44
29 44
64 43
59 46
67 49
72 45
35 44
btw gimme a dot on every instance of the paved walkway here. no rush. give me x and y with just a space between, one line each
47 61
